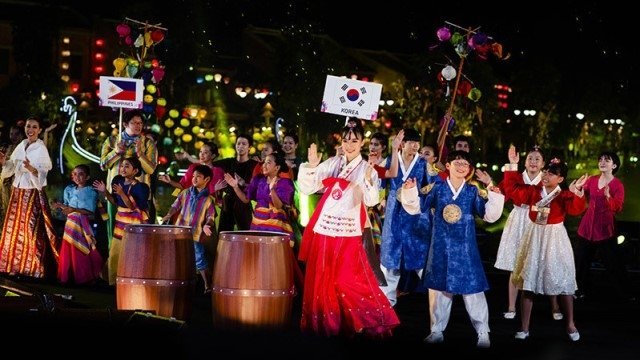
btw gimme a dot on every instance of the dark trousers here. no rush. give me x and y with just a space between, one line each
585 252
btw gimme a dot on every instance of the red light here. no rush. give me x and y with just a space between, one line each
98 69
75 87
99 56
387 124
96 82
99 42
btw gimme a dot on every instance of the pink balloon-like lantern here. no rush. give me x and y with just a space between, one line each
123 30
444 34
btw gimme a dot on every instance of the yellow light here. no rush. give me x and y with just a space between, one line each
621 239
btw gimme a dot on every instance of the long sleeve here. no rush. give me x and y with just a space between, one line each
616 202
109 154
410 200
148 160
493 208
310 179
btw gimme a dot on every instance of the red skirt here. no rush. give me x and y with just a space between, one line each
341 294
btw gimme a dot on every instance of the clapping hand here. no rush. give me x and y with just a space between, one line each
230 180
100 186
220 184
576 185
165 178
410 183
117 188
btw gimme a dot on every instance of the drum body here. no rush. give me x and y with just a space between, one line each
156 270
253 281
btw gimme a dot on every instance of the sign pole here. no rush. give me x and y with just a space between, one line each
120 127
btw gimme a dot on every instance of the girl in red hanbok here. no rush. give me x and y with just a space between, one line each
341 294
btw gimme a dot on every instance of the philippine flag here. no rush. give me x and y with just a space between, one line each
122 90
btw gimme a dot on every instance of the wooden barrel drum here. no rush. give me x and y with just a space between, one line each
156 270
252 281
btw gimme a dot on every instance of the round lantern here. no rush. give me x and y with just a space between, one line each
448 73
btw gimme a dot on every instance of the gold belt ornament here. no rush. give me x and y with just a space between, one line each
452 213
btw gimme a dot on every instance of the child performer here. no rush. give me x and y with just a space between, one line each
80 261
513 230
195 207
131 197
544 264
454 265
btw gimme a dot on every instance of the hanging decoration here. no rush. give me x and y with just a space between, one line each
139 61
465 41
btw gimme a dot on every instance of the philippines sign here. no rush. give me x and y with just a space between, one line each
121 92
353 98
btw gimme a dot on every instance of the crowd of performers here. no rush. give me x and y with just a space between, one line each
387 216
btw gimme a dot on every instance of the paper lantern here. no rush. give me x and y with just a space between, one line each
187 137
167 141
169 123
184 122
448 73
173 113
209 135
196 130
156 128
178 131
474 94
444 34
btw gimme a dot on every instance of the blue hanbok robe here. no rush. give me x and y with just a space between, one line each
454 264
404 246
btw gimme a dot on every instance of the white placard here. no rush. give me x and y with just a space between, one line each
121 92
353 98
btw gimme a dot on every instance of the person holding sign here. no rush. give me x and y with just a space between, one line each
129 143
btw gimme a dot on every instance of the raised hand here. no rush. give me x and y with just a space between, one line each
313 156
100 186
514 157
483 177
581 181
138 145
397 141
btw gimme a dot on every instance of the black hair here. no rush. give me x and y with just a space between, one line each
537 149
131 114
462 138
135 163
36 119
557 167
354 127
280 161
384 140
292 135
275 145
411 134
458 154
85 168
204 170
245 136
213 147
614 158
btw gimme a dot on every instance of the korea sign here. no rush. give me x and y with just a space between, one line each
353 98
121 92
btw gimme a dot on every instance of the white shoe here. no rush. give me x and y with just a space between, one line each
483 340
509 315
521 335
574 336
557 316
436 337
